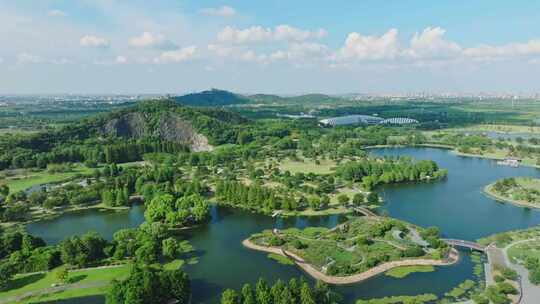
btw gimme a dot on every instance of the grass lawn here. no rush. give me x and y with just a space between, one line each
519 252
500 128
176 264
280 259
26 179
401 272
307 166
35 282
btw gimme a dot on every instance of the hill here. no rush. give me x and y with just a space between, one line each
150 126
212 98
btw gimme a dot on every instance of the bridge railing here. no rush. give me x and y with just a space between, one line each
464 243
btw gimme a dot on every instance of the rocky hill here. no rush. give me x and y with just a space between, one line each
166 120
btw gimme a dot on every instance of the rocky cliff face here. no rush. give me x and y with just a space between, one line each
168 127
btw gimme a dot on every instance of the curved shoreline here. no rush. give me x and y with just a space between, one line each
356 278
487 191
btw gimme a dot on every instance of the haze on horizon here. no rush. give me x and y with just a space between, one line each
284 47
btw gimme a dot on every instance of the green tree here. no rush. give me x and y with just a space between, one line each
169 247
248 296
343 199
62 275
230 296
306 297
358 199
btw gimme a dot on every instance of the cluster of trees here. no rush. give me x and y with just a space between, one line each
510 188
432 235
21 252
146 284
533 265
147 244
257 197
419 299
372 172
90 152
177 211
294 292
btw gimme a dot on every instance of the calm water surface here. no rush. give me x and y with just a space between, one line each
456 205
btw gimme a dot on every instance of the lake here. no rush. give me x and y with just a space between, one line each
456 205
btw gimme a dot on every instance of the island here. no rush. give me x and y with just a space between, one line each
521 191
356 250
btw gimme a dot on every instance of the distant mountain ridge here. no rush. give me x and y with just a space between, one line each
212 98
216 98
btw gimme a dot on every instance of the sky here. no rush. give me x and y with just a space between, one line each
271 46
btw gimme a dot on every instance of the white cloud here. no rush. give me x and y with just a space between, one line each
94 41
176 56
121 60
305 51
56 13
370 47
530 48
249 35
24 58
1 60
256 34
430 44
224 11
287 32
149 40
222 50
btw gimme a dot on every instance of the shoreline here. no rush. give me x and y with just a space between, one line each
451 149
487 191
356 278
44 215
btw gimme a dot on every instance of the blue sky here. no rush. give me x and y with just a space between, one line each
173 46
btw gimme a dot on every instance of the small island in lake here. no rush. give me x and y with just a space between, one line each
523 191
356 250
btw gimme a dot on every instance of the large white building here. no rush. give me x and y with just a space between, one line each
351 120
399 121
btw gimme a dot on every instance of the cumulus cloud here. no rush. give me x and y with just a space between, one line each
257 34
94 42
150 40
362 47
26 58
224 11
56 13
430 44
177 56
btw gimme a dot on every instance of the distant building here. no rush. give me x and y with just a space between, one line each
512 162
351 120
399 121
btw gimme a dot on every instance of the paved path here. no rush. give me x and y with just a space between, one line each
317 274
531 292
